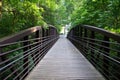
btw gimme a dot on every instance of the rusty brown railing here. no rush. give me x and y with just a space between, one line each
100 47
20 53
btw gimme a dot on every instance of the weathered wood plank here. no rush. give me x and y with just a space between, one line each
64 62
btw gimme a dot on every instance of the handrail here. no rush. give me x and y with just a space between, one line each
104 32
17 36
100 47
21 52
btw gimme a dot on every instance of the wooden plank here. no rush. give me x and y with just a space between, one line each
64 62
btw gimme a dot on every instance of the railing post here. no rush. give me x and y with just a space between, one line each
70 35
85 32
41 35
25 58
81 31
92 36
81 40
49 33
77 31
37 36
105 61
86 43
54 35
51 30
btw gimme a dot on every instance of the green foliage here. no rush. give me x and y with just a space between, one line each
21 14
99 13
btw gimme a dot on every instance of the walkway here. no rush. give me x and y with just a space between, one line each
64 62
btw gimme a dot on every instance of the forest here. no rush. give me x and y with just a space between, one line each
16 15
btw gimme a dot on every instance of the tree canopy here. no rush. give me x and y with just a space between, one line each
100 13
16 15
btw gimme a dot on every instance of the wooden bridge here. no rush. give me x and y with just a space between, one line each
64 62
88 53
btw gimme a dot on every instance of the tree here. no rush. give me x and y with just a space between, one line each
19 15
102 13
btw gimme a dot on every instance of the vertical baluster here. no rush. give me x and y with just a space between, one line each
51 36
49 33
77 36
42 35
92 53
42 42
36 36
86 42
55 33
105 60
25 58
78 30
73 35
85 34
81 31
81 40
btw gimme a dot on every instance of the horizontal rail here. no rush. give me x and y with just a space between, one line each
19 35
7 44
21 52
104 32
100 47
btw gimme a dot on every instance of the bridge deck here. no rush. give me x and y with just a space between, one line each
64 62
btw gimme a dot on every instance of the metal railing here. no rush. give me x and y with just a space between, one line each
100 47
21 52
